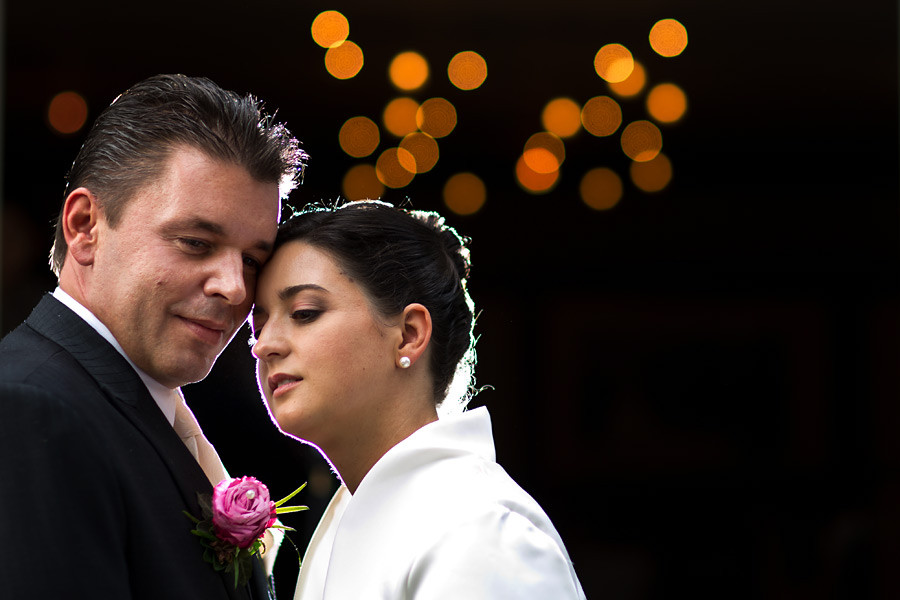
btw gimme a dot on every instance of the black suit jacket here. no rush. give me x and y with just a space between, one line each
93 479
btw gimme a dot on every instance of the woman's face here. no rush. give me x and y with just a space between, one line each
324 356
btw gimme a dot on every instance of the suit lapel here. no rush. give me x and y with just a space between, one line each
128 394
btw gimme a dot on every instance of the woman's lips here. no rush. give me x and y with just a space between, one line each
281 383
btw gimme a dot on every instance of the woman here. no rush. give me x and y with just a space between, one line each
363 329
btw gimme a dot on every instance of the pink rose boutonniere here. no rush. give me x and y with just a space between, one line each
234 521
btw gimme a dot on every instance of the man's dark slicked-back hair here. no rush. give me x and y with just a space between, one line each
130 142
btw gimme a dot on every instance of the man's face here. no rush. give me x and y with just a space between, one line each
175 278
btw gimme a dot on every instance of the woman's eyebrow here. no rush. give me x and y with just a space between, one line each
293 290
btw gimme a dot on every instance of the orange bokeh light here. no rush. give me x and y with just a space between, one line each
633 85
544 152
666 103
344 61
540 160
668 37
408 70
359 137
465 193
614 63
400 116
467 70
653 175
395 167
424 150
436 117
641 141
330 28
532 181
67 112
562 116
601 188
601 116
361 183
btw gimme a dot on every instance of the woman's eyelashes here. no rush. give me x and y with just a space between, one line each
299 316
305 315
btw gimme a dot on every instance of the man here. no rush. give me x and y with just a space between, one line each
171 207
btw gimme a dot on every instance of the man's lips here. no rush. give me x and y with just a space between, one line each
281 383
207 330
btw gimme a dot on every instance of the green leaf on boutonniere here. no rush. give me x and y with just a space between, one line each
292 509
288 497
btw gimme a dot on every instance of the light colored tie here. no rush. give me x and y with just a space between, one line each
188 429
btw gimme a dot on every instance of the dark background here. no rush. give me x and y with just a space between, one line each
699 385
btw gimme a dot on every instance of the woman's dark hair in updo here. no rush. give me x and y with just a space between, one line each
400 257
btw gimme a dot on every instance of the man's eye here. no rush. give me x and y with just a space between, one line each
193 245
252 263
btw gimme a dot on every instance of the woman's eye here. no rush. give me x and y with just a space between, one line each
305 315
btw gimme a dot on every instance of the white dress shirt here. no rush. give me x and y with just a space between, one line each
161 394
437 517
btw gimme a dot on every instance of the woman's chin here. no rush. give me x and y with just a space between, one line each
292 423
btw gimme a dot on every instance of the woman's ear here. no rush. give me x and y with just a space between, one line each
81 214
415 324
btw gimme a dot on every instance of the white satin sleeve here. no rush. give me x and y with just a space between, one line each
497 556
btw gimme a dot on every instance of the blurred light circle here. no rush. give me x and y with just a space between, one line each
467 70
653 175
544 152
400 116
395 168
614 63
601 116
67 112
408 70
668 37
666 103
361 183
533 182
540 160
562 116
436 117
601 188
633 85
330 28
641 141
359 137
423 148
464 193
344 61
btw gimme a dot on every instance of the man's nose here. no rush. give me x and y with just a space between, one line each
227 279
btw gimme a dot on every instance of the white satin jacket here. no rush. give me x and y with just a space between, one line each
437 517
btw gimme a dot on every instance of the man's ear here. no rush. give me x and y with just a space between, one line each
80 217
415 324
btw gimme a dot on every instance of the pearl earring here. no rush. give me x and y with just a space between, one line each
405 362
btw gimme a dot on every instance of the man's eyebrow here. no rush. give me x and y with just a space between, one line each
194 223
293 290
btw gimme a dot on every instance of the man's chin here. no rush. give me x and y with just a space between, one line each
188 370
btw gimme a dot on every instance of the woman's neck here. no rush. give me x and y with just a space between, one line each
358 451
